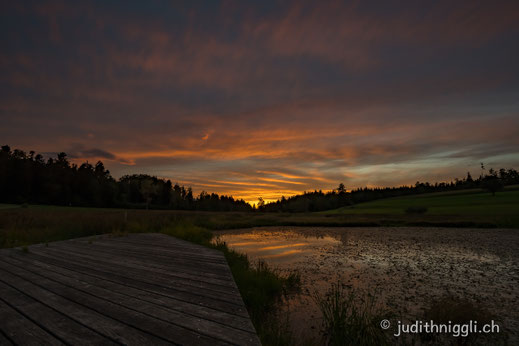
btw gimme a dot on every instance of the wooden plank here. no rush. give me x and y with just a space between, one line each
190 265
52 321
154 240
160 245
3 338
166 278
158 239
202 326
195 310
215 282
132 317
139 284
80 311
185 254
136 289
135 271
21 330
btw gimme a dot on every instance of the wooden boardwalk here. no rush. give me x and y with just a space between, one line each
140 289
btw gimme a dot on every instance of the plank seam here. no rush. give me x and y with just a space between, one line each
135 255
105 252
164 246
27 316
160 285
138 298
116 303
90 308
129 285
7 336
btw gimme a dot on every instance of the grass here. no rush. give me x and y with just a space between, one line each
463 207
416 210
9 206
262 290
455 310
351 319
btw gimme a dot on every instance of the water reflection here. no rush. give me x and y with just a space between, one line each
407 267
280 246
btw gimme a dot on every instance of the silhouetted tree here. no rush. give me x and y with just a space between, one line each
28 178
469 178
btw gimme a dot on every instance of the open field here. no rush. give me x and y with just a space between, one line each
464 202
501 209
24 225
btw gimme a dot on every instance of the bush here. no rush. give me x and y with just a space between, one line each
416 210
493 184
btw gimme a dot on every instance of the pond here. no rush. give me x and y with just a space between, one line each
405 268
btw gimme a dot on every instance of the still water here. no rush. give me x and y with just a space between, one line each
405 268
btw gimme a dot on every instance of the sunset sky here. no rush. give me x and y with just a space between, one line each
265 98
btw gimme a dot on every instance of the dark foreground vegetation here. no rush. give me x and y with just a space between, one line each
350 318
28 178
354 318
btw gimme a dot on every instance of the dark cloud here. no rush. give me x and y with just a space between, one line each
90 153
214 93
79 153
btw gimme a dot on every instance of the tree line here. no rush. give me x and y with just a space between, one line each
29 178
491 180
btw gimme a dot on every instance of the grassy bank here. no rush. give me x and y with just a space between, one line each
261 288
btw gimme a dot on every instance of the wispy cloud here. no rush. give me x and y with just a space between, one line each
267 98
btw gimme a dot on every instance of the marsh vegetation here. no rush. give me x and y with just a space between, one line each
363 274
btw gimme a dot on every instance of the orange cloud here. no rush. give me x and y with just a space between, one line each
266 103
